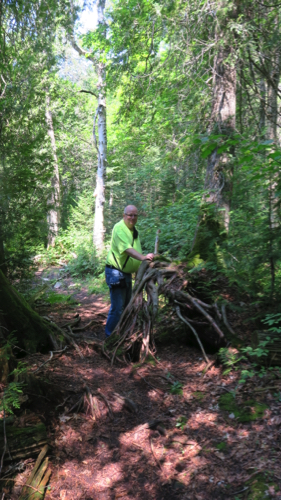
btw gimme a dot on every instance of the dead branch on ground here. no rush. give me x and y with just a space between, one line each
133 338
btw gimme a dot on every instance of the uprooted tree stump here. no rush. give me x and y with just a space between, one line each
134 334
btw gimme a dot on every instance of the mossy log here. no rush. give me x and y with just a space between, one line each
16 315
22 442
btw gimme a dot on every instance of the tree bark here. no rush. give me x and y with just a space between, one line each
30 330
53 217
217 185
98 235
101 141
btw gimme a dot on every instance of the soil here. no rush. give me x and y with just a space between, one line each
174 442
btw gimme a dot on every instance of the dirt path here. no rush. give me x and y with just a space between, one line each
177 445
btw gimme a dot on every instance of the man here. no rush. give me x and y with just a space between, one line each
123 259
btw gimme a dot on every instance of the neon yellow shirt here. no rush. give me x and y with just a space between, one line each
121 240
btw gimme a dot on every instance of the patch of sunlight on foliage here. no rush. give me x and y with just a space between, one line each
74 245
195 262
98 285
251 409
57 298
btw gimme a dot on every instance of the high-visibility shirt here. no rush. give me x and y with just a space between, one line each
121 240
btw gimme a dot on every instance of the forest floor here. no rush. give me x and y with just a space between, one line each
178 444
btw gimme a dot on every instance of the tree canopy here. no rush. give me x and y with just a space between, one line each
193 130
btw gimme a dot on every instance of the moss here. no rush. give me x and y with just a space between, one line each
250 410
258 486
198 395
221 446
31 331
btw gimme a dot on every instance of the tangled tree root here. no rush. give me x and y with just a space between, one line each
88 403
133 337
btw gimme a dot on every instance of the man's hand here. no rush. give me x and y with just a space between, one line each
149 256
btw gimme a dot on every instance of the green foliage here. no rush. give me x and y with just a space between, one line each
221 446
181 422
74 246
247 412
98 285
13 392
55 298
176 388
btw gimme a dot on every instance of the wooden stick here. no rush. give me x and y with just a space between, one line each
195 333
107 403
209 318
223 310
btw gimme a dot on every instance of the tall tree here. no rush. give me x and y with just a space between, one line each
218 175
54 200
98 59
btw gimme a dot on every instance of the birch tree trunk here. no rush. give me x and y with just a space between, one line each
101 144
53 216
273 95
101 140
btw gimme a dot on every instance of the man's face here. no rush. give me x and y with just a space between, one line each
130 217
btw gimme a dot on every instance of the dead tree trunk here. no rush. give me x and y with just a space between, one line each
101 142
53 217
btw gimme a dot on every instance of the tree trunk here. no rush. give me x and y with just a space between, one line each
16 316
101 143
217 182
3 265
53 217
98 235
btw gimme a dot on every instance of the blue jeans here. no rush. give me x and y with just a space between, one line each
119 296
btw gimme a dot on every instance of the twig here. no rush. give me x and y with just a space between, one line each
88 92
43 364
72 323
155 458
209 318
61 404
106 402
240 491
149 384
267 388
223 310
215 306
195 333
37 395
81 328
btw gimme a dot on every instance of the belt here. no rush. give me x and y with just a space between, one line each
112 267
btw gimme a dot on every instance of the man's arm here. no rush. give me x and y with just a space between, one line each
136 255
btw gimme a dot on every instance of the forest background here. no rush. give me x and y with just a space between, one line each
190 94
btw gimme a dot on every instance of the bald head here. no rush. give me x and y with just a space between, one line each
130 216
130 209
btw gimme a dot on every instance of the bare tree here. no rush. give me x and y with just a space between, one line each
100 139
53 216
